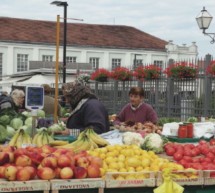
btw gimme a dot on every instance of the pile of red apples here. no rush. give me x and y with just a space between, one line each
47 163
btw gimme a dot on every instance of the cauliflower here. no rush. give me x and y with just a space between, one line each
153 142
130 138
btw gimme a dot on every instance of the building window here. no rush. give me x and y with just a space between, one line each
1 64
158 63
71 59
94 62
22 62
138 62
47 58
116 62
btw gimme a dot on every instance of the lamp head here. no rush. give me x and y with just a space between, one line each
59 3
204 19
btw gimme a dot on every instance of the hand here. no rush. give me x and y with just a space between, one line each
64 132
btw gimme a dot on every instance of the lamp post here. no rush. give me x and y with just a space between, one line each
63 4
203 20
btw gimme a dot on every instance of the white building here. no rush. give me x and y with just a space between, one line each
24 43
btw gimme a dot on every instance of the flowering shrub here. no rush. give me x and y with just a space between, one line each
147 72
211 68
181 70
100 75
121 73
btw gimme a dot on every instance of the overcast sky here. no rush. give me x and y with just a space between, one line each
166 19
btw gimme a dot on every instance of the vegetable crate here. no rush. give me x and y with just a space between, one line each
193 177
87 183
17 186
209 177
130 179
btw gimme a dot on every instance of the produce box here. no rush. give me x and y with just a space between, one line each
209 177
184 177
87 183
17 186
130 179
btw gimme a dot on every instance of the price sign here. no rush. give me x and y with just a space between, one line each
34 98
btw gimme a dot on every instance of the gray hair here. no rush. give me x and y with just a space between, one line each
16 94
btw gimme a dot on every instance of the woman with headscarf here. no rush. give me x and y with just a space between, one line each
86 109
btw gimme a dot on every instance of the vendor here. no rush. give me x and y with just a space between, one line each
86 109
136 111
14 101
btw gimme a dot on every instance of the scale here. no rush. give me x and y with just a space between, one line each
34 100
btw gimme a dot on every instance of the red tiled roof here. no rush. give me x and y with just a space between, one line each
90 35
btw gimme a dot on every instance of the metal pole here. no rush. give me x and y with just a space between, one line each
64 42
57 69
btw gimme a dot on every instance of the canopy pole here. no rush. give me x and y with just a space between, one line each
57 69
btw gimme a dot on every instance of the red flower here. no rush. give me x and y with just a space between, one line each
211 68
100 75
121 73
181 70
147 72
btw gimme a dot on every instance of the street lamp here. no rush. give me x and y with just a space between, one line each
203 20
63 4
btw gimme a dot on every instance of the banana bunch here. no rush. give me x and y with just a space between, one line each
42 138
87 140
20 139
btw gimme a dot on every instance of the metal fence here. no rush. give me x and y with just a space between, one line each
180 98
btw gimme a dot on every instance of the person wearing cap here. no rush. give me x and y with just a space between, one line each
49 102
86 109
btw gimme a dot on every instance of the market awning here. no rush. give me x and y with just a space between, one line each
11 80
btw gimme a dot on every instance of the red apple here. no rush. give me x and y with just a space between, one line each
66 173
10 173
32 171
93 171
82 162
7 148
20 151
50 161
23 175
64 161
59 152
80 172
47 149
45 173
96 161
23 160
57 172
4 158
35 157
11 157
2 169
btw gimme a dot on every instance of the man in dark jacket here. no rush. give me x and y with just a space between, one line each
87 110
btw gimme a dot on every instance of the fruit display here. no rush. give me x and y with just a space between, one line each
42 138
47 163
20 138
200 156
131 158
87 140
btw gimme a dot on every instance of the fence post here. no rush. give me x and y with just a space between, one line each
207 87
115 94
170 94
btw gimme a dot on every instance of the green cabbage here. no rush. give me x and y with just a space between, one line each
192 119
10 131
5 119
153 142
41 113
16 123
3 134
27 129
55 127
26 113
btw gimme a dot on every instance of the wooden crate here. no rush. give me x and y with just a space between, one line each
31 185
87 183
208 180
149 181
184 181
